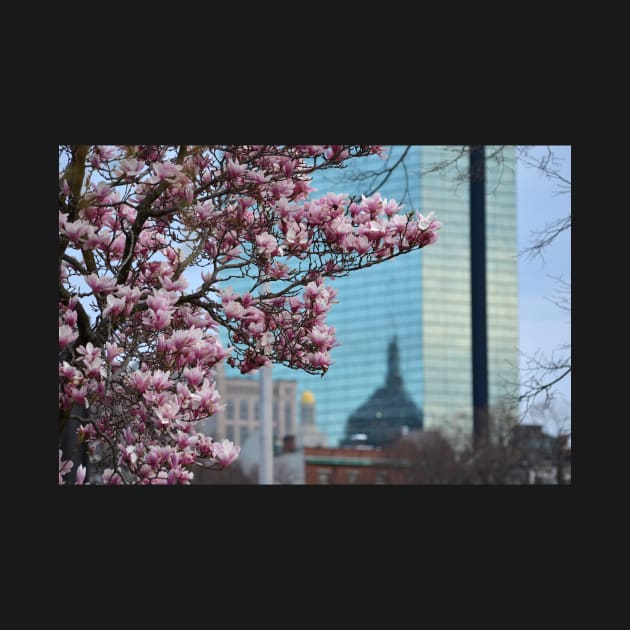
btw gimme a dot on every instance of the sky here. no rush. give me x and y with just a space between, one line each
543 325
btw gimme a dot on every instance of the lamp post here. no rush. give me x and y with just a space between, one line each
265 470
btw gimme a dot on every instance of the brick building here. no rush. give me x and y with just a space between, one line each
367 466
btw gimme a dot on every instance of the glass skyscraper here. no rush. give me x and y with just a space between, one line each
423 298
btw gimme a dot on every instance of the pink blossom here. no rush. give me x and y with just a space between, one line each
70 317
379 150
359 244
206 398
94 367
323 336
297 235
257 176
64 467
391 208
424 222
111 478
160 380
234 169
91 239
398 224
174 285
373 230
282 188
167 411
100 284
68 371
141 380
128 213
117 246
78 395
225 452
183 440
267 245
279 271
100 193
66 336
194 376
319 359
165 171
129 454
129 168
81 472
112 351
74 230
233 310
157 320
161 300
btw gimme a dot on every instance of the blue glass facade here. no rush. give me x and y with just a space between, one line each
422 298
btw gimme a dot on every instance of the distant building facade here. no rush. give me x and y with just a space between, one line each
241 414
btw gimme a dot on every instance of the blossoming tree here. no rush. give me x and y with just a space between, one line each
138 343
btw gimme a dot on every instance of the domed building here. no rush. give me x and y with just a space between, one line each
388 413
308 435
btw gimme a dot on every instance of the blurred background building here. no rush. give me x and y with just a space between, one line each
389 412
241 415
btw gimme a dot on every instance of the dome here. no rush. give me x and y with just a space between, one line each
383 417
307 397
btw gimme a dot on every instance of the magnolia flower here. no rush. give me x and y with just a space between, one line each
428 222
81 472
141 380
225 452
233 310
267 244
165 171
64 467
74 230
129 168
100 284
112 351
66 336
111 478
319 359
234 169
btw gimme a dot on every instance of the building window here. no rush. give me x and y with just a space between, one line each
244 410
323 477
381 478
288 418
244 434
352 476
229 409
229 432
257 411
275 412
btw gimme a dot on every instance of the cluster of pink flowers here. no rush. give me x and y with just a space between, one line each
137 344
